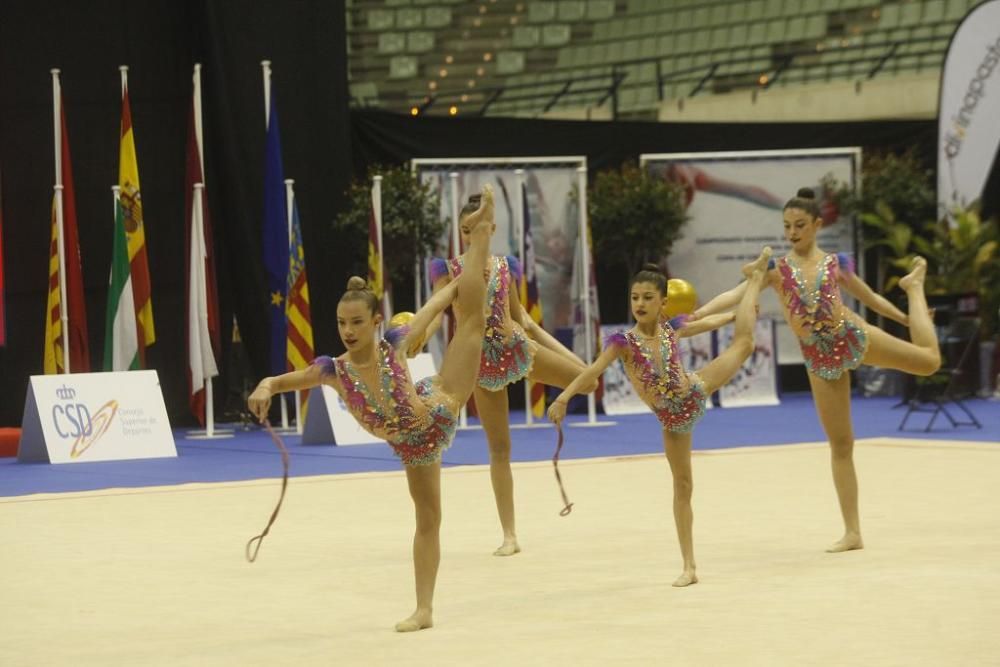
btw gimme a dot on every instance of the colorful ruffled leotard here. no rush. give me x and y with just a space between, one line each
508 353
833 339
418 421
676 397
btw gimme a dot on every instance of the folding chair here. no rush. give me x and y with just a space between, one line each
935 393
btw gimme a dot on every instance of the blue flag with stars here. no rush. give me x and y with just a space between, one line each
275 243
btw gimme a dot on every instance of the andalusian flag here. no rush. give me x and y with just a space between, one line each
529 296
131 205
299 348
121 339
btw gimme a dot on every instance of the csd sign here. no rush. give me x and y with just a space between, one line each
72 420
95 417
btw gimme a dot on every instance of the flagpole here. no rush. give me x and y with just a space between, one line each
197 118
377 208
60 240
529 418
588 334
289 203
463 415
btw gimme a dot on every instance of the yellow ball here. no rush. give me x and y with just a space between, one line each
681 298
403 318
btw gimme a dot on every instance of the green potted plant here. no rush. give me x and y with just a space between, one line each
634 217
412 225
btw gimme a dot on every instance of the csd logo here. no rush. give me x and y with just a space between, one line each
72 420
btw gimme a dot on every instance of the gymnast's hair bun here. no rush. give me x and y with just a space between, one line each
805 193
650 266
356 283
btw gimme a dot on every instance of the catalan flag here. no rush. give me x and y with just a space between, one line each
76 313
135 230
299 347
529 296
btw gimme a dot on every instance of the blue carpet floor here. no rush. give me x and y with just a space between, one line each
252 455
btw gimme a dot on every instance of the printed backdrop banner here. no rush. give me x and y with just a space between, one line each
734 204
969 108
555 224
756 383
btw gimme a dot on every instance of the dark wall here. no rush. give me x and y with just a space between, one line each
160 40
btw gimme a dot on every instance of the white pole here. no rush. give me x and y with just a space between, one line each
116 192
198 254
529 418
463 416
266 67
197 118
289 204
377 208
60 224
124 70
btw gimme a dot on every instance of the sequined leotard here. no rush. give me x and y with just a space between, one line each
417 421
675 396
833 339
508 353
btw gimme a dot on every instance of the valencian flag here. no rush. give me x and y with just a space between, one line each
275 242
203 325
529 296
79 348
299 348
135 230
121 336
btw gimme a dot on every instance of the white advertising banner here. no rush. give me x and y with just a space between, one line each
756 381
734 204
328 420
969 107
88 417
620 397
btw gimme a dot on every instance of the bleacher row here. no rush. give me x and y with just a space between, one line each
659 49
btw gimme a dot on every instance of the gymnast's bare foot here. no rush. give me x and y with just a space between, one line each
687 578
485 210
915 278
849 542
508 548
420 620
759 264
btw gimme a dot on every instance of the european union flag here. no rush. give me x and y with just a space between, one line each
275 242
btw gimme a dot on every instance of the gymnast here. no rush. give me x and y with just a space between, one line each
418 421
834 340
652 363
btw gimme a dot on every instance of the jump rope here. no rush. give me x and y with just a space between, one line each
253 545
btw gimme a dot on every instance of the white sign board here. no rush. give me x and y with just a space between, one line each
88 417
328 420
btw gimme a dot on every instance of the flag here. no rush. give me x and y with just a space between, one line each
299 348
529 295
202 301
135 230
275 242
79 347
121 336
579 341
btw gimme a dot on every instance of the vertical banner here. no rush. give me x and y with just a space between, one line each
549 203
734 204
969 107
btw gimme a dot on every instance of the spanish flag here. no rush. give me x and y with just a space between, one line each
135 230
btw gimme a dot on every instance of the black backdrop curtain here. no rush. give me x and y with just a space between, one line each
323 144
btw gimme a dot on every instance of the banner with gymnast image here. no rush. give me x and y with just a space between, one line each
550 185
734 203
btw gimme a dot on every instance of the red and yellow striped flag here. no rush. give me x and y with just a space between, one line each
299 348
135 230
529 297
53 362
